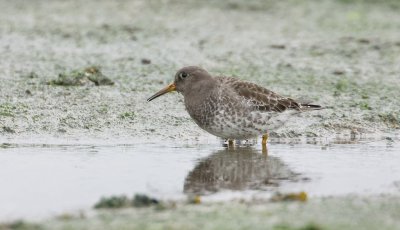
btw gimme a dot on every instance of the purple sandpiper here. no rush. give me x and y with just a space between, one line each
230 108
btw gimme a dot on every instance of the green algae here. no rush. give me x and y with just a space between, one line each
391 119
138 201
326 53
349 212
82 77
20 225
7 110
113 202
127 115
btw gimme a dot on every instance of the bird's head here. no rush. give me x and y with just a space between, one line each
186 80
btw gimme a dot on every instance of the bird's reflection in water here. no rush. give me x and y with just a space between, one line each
236 169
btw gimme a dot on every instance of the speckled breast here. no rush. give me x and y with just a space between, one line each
228 118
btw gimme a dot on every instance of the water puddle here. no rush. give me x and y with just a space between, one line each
40 180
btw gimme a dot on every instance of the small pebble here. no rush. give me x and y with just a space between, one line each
276 46
364 41
146 61
338 72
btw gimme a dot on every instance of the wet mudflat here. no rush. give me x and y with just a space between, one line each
41 180
78 70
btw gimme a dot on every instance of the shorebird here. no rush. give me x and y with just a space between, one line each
230 108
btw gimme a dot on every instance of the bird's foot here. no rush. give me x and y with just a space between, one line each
264 150
264 139
264 144
231 143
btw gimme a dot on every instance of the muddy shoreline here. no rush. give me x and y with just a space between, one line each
333 58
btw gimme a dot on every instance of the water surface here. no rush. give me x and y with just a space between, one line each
39 180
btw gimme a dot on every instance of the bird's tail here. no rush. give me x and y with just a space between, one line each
307 106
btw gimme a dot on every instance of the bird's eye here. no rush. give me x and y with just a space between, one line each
183 75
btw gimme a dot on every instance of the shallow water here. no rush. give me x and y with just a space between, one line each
40 180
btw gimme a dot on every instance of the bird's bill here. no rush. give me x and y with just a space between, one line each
169 88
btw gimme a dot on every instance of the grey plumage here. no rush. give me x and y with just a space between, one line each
231 108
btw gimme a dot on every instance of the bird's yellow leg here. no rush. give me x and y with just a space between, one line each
264 144
230 143
264 139
264 150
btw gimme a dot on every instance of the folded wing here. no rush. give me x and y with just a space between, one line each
263 99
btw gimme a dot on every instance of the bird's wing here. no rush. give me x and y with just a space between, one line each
260 98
